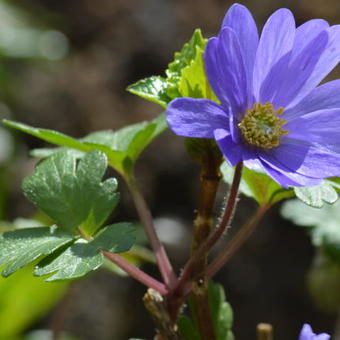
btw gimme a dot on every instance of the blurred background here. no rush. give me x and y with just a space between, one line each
65 65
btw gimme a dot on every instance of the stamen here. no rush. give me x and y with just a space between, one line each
262 127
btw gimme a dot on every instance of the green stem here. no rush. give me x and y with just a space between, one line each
210 179
165 267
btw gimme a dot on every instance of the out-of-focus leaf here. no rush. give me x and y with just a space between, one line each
222 313
257 185
84 256
316 196
187 329
24 299
324 223
324 283
73 196
122 147
21 247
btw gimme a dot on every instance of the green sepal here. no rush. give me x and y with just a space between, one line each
21 247
257 185
122 147
72 194
84 256
316 196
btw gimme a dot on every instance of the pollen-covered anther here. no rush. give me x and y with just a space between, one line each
262 127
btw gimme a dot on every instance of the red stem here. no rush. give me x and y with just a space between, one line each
135 272
229 250
145 216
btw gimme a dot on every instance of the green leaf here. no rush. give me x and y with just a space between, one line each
73 196
184 57
25 299
193 81
187 329
257 185
324 223
180 76
121 147
222 313
316 196
153 89
20 247
85 256
132 139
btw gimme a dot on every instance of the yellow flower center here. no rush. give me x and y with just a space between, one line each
262 127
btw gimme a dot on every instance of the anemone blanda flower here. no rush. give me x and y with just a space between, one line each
272 113
308 334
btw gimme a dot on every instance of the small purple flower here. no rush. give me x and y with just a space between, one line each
308 334
272 114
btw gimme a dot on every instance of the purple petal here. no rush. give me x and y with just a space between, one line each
306 33
323 97
198 118
321 127
308 334
328 60
299 71
276 41
286 178
241 21
310 160
226 70
233 152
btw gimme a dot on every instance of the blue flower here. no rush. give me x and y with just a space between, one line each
308 334
272 114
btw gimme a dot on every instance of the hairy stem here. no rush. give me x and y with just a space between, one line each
136 273
145 216
190 268
243 234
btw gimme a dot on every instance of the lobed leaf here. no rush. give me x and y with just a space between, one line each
73 196
84 256
19 248
316 196
121 147
153 89
184 76
323 223
193 81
